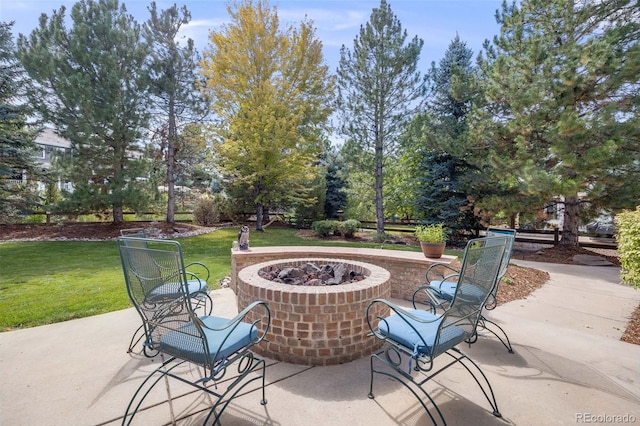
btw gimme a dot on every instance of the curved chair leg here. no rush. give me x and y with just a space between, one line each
506 342
137 337
474 338
162 373
139 333
148 352
404 378
251 367
488 391
248 365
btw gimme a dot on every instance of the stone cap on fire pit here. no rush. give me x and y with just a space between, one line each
406 267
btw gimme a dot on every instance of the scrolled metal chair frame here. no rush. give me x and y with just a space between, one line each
451 327
140 237
174 330
443 273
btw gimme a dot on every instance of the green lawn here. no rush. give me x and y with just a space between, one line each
52 281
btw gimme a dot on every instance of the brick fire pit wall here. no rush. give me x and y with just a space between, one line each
315 325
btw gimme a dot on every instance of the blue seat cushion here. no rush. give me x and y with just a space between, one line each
186 343
444 289
421 338
172 290
447 289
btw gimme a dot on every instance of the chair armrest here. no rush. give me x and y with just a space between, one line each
194 277
201 269
189 276
232 323
402 313
430 298
440 272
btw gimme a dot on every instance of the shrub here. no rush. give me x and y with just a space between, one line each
435 233
628 236
324 228
34 218
349 227
225 211
380 238
205 212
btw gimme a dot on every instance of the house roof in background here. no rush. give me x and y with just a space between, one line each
49 137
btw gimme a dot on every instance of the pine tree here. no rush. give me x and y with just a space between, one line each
562 120
92 86
17 146
379 90
447 182
176 95
335 184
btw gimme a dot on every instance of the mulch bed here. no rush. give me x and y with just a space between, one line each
82 231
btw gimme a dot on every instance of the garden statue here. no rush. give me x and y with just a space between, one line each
243 238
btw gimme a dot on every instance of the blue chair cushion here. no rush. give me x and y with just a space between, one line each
170 290
444 289
447 289
185 342
421 338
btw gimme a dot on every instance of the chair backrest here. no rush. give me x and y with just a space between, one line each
478 275
134 236
134 232
506 257
156 283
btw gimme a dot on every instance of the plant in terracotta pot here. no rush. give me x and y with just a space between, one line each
432 239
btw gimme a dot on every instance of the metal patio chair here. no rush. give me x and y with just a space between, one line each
135 233
158 286
197 276
442 280
414 338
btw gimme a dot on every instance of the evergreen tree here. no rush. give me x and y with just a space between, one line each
444 196
176 98
446 180
379 88
17 146
92 85
272 93
563 82
335 184
360 181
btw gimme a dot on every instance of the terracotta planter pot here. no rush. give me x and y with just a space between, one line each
432 250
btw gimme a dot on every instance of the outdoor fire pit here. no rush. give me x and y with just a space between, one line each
320 323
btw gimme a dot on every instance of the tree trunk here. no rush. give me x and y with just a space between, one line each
378 186
259 217
171 188
171 164
118 215
571 221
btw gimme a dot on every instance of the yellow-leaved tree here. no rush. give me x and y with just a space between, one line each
272 94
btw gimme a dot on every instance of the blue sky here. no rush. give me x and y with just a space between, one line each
337 21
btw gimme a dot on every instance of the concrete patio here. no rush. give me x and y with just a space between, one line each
569 367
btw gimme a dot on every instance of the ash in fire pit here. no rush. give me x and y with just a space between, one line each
311 274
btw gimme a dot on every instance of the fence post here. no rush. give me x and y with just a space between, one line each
556 236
